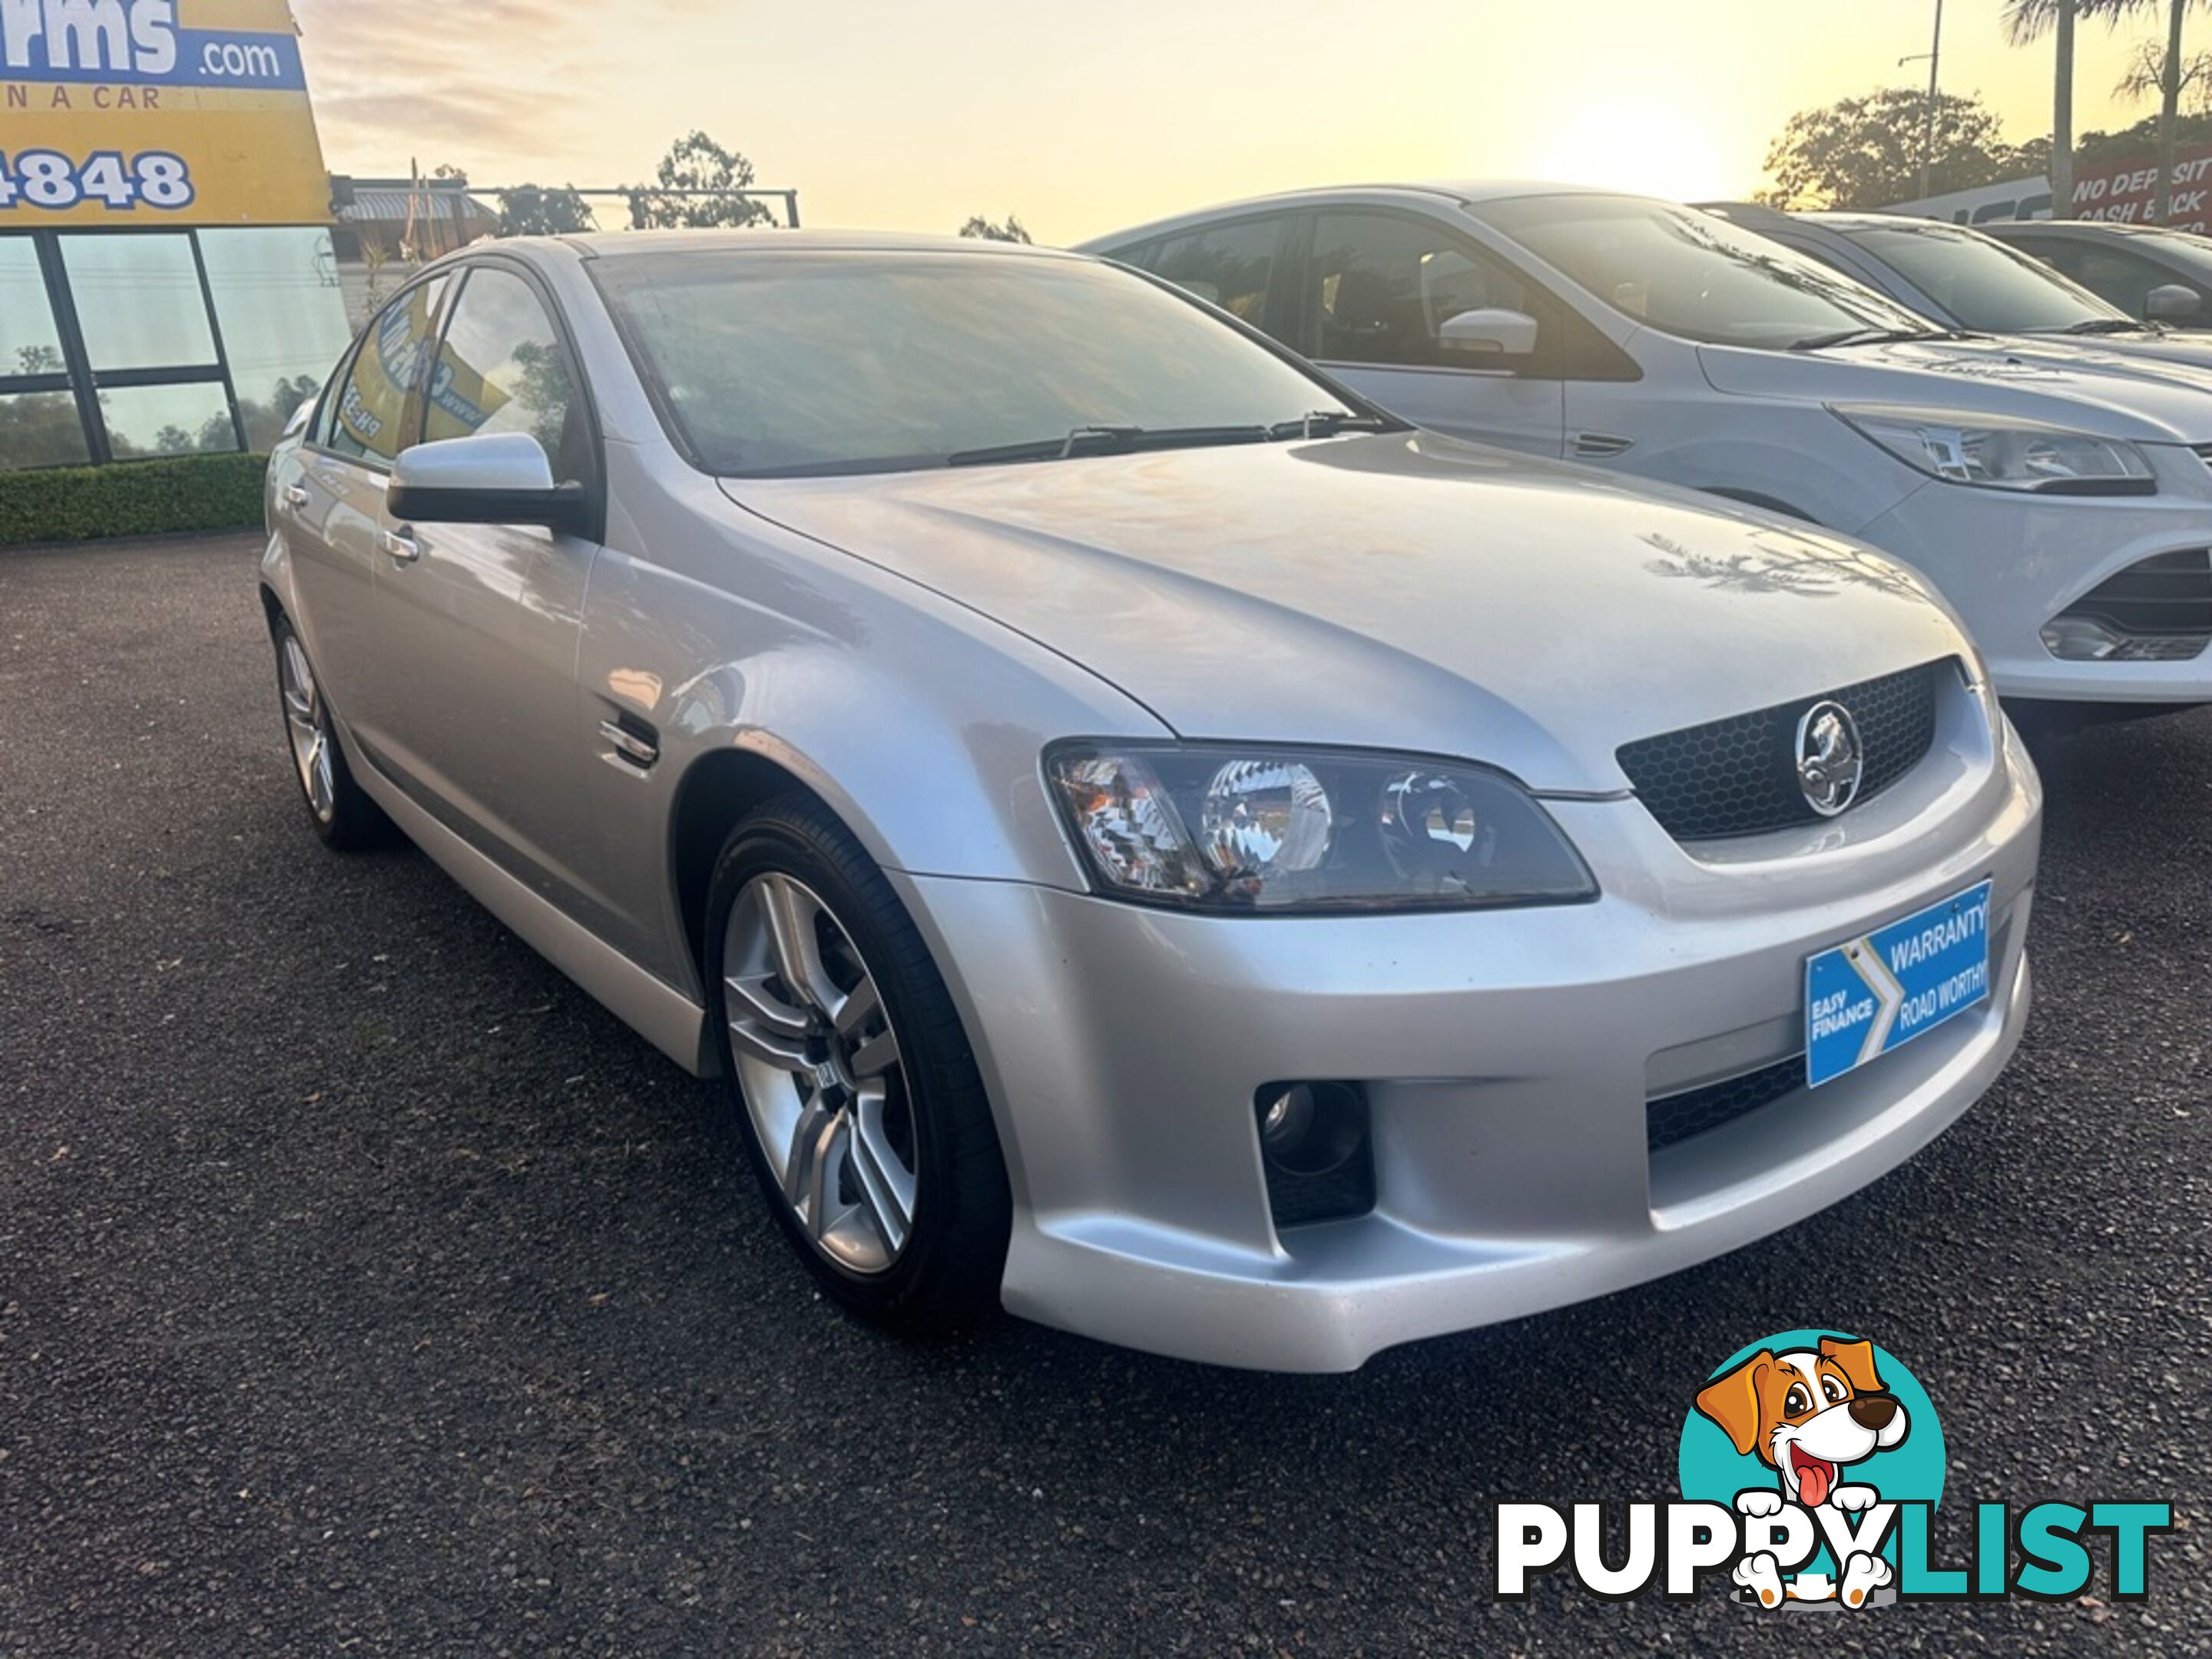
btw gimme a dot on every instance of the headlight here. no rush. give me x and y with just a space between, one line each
2001 454
1259 829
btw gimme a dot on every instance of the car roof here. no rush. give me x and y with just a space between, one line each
631 243
2077 226
1749 215
1755 215
1835 220
762 240
1468 191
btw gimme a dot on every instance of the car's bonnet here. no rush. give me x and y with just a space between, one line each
2071 386
2185 359
1398 592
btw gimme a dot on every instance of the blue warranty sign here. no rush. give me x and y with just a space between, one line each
1878 992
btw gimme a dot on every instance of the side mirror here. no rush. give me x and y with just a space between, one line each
2171 302
1491 331
500 477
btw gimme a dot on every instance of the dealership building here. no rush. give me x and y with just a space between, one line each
169 279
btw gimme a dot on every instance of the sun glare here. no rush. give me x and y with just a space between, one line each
1644 146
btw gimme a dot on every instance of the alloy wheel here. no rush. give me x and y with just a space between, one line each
308 723
821 1072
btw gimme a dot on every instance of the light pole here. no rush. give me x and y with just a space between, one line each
1935 57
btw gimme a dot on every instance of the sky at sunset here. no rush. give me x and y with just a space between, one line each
900 115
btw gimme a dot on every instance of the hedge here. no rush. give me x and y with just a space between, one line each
131 498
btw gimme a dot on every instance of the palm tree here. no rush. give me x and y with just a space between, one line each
2061 117
2169 107
2026 19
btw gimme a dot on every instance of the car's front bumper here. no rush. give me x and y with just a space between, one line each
2009 563
1508 1058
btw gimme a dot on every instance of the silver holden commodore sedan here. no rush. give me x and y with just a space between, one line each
1141 837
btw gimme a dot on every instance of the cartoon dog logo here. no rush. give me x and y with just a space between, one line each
1809 1413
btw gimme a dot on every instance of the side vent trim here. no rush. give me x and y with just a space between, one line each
631 745
1598 446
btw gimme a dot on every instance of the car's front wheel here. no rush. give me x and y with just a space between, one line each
343 816
850 1078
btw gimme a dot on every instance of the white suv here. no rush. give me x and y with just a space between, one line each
2064 510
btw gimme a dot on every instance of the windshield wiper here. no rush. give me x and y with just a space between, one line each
2106 325
1326 423
1843 336
1110 440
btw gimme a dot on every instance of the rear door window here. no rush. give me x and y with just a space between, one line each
1228 265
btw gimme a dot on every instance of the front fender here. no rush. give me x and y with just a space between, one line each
919 722
1806 478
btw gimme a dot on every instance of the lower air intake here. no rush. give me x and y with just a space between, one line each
1673 1119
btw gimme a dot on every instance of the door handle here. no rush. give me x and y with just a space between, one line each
402 545
296 496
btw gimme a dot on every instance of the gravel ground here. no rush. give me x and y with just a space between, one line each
364 1288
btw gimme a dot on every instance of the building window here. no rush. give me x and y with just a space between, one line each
41 428
282 317
138 299
116 345
192 419
30 342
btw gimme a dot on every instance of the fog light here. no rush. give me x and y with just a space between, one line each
2078 639
1284 1120
1315 1150
1311 1129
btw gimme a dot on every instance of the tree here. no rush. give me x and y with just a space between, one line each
2146 74
264 422
2129 143
2026 20
41 429
697 162
543 386
985 230
531 212
2169 110
1865 152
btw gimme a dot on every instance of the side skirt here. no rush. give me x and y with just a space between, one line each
656 1011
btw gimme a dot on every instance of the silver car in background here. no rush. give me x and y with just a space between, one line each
1955 276
1144 839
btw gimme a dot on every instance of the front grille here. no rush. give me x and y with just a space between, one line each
1738 776
2166 595
1676 1118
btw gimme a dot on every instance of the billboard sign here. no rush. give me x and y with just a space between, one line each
2118 192
2121 191
143 113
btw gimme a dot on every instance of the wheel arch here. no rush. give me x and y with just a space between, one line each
1766 503
716 792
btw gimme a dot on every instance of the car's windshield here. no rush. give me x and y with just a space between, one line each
2193 253
1983 283
1688 273
794 362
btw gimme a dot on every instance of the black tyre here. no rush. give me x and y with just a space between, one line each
343 815
849 1078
